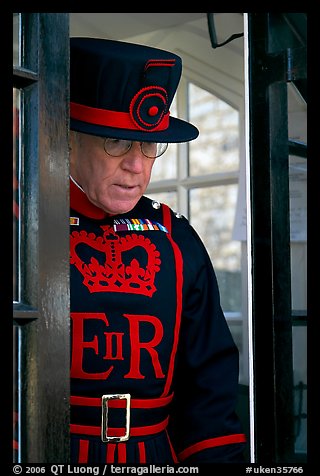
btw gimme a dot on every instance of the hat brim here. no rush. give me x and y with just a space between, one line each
178 131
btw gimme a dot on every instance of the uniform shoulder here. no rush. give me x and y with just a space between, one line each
161 209
178 226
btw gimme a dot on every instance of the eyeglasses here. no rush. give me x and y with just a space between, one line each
118 147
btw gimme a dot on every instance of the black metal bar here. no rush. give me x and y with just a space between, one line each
213 36
281 271
263 326
297 148
45 341
272 326
299 318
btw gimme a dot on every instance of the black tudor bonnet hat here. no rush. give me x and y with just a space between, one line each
124 91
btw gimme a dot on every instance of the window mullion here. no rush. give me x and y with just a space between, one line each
183 152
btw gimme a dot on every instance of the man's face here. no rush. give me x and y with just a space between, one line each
114 184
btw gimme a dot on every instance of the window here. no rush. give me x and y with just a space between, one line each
200 180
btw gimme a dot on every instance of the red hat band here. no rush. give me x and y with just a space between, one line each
148 112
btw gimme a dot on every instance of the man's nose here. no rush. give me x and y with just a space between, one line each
134 159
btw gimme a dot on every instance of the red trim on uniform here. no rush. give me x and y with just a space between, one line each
121 403
179 283
83 451
142 452
122 453
134 431
111 448
173 453
211 443
105 117
15 444
166 217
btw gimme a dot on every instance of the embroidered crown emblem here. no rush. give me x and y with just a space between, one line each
110 266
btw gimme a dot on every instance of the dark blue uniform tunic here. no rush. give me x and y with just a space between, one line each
147 323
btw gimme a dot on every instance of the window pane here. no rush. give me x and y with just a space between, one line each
16 28
299 337
217 146
16 162
165 167
212 215
298 231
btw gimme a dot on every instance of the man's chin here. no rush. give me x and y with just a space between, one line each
119 208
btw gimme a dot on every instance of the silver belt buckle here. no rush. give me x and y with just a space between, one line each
104 422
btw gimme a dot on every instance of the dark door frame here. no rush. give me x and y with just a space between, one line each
277 55
41 313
